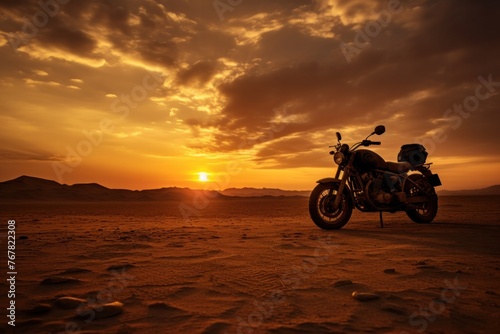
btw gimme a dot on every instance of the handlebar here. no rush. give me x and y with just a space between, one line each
367 142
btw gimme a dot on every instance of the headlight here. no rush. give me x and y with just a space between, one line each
339 158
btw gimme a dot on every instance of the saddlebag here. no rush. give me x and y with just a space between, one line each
415 154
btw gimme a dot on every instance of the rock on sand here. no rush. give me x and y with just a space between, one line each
364 296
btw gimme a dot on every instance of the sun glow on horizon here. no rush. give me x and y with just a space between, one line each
203 177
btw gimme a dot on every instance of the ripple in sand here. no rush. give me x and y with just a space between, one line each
395 310
40 309
68 303
218 327
75 271
29 322
59 280
162 306
342 283
121 266
426 266
102 311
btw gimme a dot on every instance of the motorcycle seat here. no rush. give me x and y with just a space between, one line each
398 167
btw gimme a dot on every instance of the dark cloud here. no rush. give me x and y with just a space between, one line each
68 39
199 73
16 155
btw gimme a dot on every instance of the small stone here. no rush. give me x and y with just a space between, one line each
364 296
342 283
102 311
390 271
40 309
69 303
59 280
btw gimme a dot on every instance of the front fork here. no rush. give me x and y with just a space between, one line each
343 181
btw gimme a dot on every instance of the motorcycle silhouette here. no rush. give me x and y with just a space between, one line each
364 180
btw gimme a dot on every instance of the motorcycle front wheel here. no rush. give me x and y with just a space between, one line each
426 212
321 207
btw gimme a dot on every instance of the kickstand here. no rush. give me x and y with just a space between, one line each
381 220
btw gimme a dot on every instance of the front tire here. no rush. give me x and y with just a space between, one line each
320 206
426 212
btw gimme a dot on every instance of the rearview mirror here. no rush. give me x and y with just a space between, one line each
339 136
380 129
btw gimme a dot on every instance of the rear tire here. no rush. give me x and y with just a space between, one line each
427 211
320 206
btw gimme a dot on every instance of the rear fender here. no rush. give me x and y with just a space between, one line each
433 179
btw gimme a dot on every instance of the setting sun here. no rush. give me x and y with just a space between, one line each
202 177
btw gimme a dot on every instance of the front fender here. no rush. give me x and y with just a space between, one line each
328 180
347 191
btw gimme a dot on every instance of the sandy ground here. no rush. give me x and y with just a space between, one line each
251 266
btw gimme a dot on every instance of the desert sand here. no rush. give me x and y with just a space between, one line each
251 266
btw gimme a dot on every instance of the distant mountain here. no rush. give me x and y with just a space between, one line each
28 188
36 189
493 190
260 192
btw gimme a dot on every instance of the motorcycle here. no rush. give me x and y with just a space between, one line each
364 180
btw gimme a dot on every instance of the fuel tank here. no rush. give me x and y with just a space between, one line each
366 159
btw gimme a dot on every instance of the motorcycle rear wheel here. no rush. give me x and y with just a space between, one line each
427 211
321 207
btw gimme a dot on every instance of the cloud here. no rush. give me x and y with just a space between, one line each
19 155
199 73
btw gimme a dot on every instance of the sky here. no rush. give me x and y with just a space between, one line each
143 94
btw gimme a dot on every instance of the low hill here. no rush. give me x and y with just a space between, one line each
260 192
491 191
37 189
